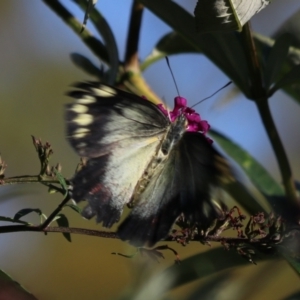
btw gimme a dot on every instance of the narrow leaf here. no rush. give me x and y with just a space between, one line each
171 43
258 175
61 180
225 15
225 50
74 207
242 195
293 296
10 289
292 77
215 287
86 65
294 262
25 211
94 44
64 222
291 26
7 219
109 39
277 56
90 7
208 263
43 217
264 44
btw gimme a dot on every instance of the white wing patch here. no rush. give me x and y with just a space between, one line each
83 119
80 133
104 91
86 99
79 108
125 167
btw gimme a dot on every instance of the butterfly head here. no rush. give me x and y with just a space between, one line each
193 119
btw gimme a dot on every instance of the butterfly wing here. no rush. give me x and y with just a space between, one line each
118 133
183 185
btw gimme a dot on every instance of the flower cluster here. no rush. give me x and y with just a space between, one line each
195 123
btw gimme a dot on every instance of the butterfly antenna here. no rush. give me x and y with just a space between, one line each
168 63
217 91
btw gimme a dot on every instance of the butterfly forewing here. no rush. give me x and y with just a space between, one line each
103 116
119 135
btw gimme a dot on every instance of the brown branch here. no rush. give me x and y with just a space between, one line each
29 179
114 235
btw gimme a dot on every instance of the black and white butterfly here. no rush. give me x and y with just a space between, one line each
158 162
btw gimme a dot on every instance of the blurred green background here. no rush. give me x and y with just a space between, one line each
35 74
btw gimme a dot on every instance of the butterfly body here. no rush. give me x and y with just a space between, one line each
138 154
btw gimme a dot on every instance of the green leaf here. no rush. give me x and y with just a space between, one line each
225 50
291 26
86 65
208 263
10 289
258 175
242 195
61 180
25 211
294 263
63 221
264 45
7 219
106 33
235 286
293 296
225 15
292 77
74 207
215 288
43 217
90 7
171 43
56 218
276 58
94 44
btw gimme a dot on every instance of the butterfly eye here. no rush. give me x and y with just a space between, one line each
164 151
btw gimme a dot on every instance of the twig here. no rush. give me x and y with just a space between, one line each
28 179
55 212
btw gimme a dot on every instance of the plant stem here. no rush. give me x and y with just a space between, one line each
114 235
259 96
284 166
134 81
55 212
28 179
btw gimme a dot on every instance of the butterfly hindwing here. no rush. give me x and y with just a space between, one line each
118 133
182 185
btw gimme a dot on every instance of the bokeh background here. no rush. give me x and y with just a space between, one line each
36 71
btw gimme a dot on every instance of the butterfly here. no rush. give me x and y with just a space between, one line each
159 163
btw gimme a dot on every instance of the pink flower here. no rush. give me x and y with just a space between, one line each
195 124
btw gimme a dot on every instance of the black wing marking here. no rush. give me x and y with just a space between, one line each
182 186
102 117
